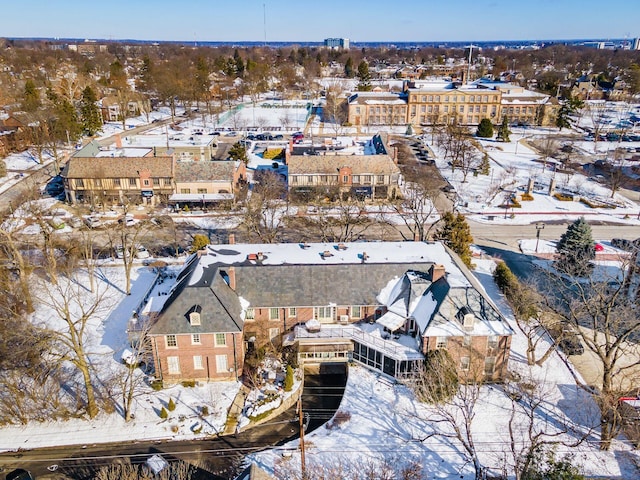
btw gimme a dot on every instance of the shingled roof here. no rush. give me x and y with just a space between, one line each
204 171
329 164
118 167
309 285
220 309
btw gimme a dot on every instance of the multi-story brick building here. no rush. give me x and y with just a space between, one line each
444 101
383 305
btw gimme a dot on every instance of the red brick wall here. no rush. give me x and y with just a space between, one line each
477 352
185 351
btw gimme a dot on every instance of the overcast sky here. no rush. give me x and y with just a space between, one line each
314 20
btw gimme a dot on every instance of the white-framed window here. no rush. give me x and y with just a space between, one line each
197 362
292 311
274 333
492 341
465 363
323 312
355 311
251 314
195 339
441 342
220 340
274 314
173 363
221 364
172 341
466 341
489 365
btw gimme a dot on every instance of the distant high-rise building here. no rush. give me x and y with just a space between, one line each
635 45
337 43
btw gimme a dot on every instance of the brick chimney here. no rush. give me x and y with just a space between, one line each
232 277
232 239
437 271
118 141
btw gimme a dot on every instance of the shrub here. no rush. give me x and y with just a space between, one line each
3 168
562 197
197 429
163 413
171 405
527 197
200 241
174 428
288 379
504 278
204 411
156 385
188 383
485 128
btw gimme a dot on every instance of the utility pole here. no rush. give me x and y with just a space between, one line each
303 468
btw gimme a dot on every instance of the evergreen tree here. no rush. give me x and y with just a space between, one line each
485 166
30 97
145 78
576 249
438 382
239 63
503 131
199 242
238 152
66 126
171 406
456 234
348 68
568 108
118 76
485 129
288 379
90 112
364 84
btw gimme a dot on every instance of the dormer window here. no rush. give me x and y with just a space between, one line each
194 315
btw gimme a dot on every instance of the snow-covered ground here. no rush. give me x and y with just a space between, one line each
389 427
386 422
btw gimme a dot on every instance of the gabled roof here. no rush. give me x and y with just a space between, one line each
205 171
220 309
118 167
329 164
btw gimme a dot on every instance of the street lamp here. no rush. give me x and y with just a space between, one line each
539 226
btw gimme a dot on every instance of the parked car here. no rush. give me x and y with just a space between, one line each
142 252
622 244
92 222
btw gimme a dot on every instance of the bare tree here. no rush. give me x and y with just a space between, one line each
266 208
601 312
547 148
12 252
126 239
529 434
334 111
76 310
417 206
124 470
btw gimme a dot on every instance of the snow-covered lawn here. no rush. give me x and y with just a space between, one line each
106 343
